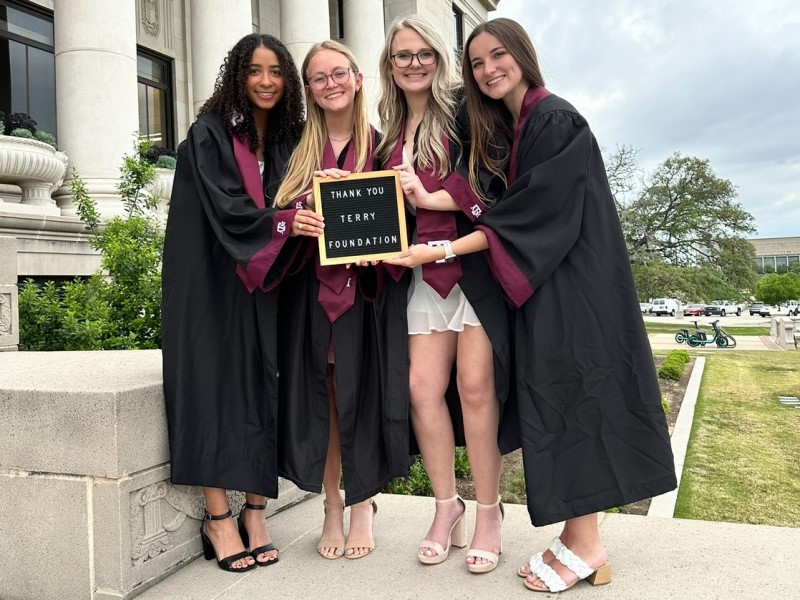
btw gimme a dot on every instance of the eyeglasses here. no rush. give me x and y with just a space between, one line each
404 59
320 80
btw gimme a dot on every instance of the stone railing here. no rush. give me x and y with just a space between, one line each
9 308
785 331
88 510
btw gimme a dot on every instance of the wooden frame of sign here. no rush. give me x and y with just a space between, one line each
365 217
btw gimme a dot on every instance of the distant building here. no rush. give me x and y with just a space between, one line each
95 72
775 255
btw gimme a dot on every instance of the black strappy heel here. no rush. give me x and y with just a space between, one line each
246 537
208 548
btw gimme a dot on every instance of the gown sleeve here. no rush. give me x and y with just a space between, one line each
539 219
254 237
457 182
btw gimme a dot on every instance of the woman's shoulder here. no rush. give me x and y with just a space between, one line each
555 110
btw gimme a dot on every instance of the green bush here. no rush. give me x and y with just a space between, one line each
166 162
417 483
2 128
664 405
117 308
45 137
673 365
23 133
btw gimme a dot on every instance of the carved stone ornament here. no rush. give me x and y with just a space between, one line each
151 19
149 530
5 314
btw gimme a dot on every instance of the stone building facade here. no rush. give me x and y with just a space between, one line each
96 73
776 255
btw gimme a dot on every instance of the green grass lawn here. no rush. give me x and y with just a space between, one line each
743 460
672 328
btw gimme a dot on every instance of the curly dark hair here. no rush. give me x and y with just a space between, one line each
230 100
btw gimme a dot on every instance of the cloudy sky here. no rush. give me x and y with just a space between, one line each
716 79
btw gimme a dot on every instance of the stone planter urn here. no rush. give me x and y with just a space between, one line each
163 184
37 168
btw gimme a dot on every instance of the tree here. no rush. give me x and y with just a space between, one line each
777 289
686 215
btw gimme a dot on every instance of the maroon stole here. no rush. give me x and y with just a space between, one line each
253 275
516 286
532 97
433 225
337 284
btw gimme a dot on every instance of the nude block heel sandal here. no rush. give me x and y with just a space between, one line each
457 537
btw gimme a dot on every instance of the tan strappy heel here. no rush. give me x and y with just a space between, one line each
457 537
491 558
336 543
369 544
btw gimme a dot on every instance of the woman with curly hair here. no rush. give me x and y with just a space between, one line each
226 250
336 418
457 318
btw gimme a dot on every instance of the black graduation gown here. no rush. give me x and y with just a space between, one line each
218 338
372 403
594 435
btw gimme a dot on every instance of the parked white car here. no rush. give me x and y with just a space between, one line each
666 306
790 309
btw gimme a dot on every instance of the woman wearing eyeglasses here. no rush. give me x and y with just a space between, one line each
336 420
456 313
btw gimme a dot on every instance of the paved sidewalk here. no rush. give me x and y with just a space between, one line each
652 558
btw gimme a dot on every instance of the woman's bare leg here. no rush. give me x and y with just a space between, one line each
333 526
481 413
432 357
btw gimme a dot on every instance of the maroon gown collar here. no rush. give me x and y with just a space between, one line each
533 96
337 290
247 162
433 225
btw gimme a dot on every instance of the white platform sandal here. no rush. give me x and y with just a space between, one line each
553 581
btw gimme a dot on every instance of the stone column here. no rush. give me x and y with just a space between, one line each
215 29
9 308
96 97
363 33
303 24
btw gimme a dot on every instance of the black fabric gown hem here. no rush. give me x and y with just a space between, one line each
350 499
233 484
603 502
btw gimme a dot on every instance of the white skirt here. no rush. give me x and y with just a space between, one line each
428 311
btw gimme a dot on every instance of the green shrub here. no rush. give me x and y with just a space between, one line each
22 133
166 162
664 405
463 470
45 137
673 365
2 128
416 483
117 308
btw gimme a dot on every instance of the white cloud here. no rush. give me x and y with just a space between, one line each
713 79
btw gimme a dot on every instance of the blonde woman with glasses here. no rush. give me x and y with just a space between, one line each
457 318
335 419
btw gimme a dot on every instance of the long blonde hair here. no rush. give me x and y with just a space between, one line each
439 117
307 157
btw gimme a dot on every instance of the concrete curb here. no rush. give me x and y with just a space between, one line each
664 505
